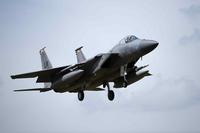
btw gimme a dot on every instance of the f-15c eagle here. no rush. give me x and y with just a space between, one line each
117 66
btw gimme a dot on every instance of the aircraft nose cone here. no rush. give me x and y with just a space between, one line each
148 45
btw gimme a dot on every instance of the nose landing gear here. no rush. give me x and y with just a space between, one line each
123 73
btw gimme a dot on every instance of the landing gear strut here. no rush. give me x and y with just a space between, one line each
111 94
125 84
123 70
80 95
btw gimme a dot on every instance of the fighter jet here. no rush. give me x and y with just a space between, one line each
116 66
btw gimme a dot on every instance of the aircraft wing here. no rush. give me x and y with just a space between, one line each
46 75
42 73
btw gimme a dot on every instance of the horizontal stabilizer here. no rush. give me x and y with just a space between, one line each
35 89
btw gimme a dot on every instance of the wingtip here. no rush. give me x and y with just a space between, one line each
16 90
12 77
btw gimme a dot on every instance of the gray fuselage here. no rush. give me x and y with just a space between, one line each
128 51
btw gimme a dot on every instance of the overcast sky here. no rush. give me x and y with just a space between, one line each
169 101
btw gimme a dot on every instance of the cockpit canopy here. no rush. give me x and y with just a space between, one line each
128 39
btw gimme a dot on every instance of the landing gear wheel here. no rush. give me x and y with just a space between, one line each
111 95
80 95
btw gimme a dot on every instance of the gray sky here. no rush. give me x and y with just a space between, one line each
169 101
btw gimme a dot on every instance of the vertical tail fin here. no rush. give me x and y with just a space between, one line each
46 64
79 55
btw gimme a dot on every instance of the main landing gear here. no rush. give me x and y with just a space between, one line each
80 95
111 94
